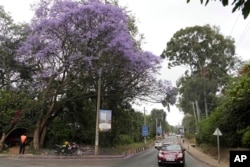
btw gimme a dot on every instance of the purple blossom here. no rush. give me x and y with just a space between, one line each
68 33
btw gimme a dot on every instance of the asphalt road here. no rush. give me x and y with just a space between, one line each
147 158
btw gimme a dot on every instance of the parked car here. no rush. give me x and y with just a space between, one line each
171 154
158 144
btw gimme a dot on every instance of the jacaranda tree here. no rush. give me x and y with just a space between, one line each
81 39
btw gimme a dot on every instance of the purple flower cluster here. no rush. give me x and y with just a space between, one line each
67 35
68 31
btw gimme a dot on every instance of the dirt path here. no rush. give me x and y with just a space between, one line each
13 150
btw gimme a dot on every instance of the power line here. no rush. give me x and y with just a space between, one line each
235 24
244 33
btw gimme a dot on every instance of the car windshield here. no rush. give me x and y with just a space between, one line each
171 147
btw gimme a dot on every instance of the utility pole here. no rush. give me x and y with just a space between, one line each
145 139
97 113
156 128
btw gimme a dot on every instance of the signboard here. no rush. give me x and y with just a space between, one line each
144 130
105 120
159 130
217 132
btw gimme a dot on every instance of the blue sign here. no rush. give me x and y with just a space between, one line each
159 130
144 130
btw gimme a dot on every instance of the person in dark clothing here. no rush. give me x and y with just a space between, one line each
23 140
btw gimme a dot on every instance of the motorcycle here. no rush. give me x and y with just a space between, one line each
62 150
68 149
75 149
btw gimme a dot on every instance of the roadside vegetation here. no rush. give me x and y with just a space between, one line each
50 70
53 67
214 91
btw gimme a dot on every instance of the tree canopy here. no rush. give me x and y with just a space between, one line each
209 58
231 115
70 44
243 5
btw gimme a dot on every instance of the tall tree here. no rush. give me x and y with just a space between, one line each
158 119
71 39
232 113
210 57
12 75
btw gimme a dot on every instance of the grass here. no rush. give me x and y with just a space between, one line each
120 149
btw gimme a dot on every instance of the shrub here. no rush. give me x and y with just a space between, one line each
123 139
246 138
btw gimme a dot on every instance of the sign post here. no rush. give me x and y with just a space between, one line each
145 131
218 133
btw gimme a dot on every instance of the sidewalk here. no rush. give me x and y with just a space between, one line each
190 148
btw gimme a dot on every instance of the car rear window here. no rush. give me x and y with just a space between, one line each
171 147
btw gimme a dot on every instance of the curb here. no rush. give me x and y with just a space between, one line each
198 158
103 157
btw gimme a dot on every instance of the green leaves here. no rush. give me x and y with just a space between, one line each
232 114
243 5
209 57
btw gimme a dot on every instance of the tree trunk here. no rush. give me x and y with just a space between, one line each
42 137
41 127
198 111
40 133
2 141
36 137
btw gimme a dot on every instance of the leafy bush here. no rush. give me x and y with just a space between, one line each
246 138
189 135
123 139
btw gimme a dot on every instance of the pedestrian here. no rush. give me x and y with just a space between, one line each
23 141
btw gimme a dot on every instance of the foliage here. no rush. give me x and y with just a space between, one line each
73 43
231 115
189 135
58 133
58 58
157 119
207 127
14 99
246 137
11 35
243 5
189 123
210 59
123 140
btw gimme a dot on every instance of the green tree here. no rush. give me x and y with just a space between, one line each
243 5
210 59
158 119
189 124
232 113
12 77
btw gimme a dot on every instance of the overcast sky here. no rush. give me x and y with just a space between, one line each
158 20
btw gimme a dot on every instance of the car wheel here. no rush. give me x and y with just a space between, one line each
159 164
182 165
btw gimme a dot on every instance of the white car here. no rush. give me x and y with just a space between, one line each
158 144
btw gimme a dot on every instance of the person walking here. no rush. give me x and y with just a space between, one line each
23 140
